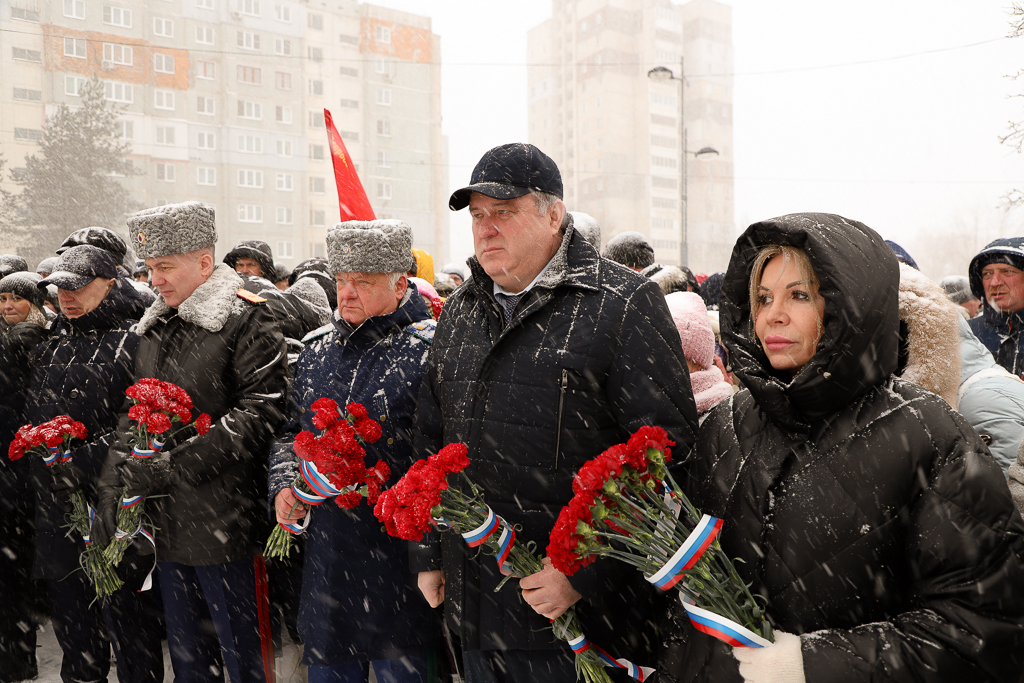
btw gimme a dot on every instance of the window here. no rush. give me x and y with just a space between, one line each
250 74
382 66
118 92
316 152
163 27
163 64
75 9
25 15
384 128
27 55
382 34
164 135
73 85
384 97
349 71
284 148
282 13
165 172
383 190
163 99
206 175
316 87
664 162
250 7
125 130
315 21
206 70
382 160
207 141
348 40
284 215
117 16
317 217
316 185
205 106
250 144
204 35
284 250
250 110
283 81
74 47
250 178
250 213
118 54
283 114
316 119
282 46
349 135
28 134
351 104
204 4
284 182
316 54
248 41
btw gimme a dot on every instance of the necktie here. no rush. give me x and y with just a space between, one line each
508 302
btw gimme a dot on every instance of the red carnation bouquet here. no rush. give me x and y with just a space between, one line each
332 465
158 407
422 500
51 441
628 507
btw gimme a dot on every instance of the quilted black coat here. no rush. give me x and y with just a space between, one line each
867 512
589 356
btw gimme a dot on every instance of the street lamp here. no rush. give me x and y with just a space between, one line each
661 74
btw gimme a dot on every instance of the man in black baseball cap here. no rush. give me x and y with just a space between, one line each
510 171
84 276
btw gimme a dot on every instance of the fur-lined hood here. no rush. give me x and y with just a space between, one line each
209 306
933 339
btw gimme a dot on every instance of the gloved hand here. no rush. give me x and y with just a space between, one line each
105 523
66 478
780 662
148 477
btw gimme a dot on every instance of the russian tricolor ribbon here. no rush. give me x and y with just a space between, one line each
143 453
506 540
53 457
688 554
640 673
479 535
92 518
318 483
719 627
139 531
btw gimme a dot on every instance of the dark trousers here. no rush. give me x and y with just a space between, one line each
218 614
86 631
17 595
414 667
520 666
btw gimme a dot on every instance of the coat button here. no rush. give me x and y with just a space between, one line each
390 441
383 418
74 393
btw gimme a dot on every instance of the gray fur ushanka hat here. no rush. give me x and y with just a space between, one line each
172 229
381 246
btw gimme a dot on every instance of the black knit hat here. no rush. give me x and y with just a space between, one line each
510 171
631 249
9 263
23 283
256 250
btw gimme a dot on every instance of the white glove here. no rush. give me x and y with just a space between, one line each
780 662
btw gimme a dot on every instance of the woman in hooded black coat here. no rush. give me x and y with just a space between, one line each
864 509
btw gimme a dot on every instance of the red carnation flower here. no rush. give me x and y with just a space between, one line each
368 429
380 471
203 424
596 472
451 458
644 438
78 430
325 417
17 448
304 445
357 411
348 500
158 423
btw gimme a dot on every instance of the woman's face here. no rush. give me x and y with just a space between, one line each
13 308
789 315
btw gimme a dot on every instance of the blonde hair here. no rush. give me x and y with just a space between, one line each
803 264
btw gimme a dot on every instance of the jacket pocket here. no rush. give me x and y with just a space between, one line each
563 385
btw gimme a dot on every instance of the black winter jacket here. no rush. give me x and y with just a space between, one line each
867 512
589 356
229 355
17 344
81 370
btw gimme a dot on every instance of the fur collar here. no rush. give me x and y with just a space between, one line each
208 307
933 339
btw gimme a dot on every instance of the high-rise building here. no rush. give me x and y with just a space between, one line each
615 132
222 102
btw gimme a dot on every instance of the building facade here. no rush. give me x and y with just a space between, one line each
222 102
615 132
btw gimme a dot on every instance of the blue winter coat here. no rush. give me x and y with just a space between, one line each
359 597
999 332
81 370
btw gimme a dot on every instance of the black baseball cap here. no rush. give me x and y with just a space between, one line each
104 238
78 266
510 171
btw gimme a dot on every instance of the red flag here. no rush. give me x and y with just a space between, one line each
351 196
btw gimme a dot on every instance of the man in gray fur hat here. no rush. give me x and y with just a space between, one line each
375 351
221 344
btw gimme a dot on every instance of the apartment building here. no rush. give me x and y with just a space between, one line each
222 101
615 132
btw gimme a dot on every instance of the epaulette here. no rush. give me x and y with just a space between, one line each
423 330
318 332
244 293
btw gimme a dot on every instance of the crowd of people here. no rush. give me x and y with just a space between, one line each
859 427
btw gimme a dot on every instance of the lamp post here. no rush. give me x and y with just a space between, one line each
661 74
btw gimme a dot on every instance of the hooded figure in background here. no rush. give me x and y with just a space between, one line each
997 278
864 509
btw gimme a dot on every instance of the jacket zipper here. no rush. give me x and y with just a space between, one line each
562 385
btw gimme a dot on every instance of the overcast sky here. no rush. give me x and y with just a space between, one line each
885 112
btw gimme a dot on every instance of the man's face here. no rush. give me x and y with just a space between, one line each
248 266
177 276
1004 286
74 303
365 295
512 241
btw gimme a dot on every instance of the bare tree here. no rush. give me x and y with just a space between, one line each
1015 134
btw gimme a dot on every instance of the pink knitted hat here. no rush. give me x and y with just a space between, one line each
424 288
691 319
